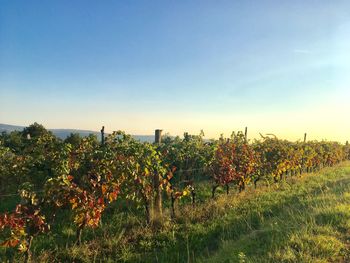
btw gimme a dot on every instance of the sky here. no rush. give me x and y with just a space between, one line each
279 67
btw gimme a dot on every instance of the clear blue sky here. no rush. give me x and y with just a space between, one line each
275 66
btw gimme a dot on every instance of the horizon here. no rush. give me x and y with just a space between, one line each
257 134
273 67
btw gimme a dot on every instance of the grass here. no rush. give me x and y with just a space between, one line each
302 219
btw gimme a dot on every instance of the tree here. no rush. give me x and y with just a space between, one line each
34 130
74 139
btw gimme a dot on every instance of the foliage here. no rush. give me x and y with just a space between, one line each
26 222
235 161
89 179
143 169
82 178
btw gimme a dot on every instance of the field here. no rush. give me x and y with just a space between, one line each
179 200
305 219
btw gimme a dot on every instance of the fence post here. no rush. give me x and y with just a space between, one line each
157 207
103 135
246 134
158 136
304 137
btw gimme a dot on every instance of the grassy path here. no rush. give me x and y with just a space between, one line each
305 220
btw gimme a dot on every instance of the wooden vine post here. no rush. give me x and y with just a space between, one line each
246 134
157 205
103 135
305 137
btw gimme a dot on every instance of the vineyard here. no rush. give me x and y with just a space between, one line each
55 192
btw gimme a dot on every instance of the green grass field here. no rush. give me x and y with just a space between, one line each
302 219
